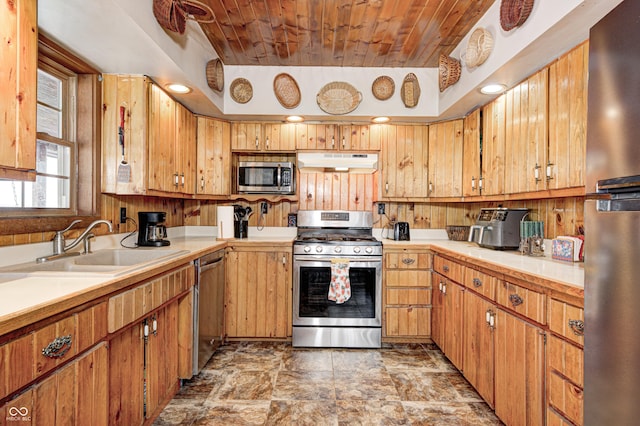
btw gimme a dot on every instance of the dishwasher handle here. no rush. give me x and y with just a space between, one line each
210 261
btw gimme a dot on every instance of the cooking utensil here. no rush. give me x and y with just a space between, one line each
124 169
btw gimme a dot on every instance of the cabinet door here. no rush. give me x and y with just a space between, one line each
445 159
437 310
126 377
478 345
404 161
185 149
568 119
132 93
519 371
357 137
471 161
214 157
258 293
493 147
453 322
316 137
526 118
163 174
19 63
247 136
280 137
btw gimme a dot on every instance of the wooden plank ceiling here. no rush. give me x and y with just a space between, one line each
348 33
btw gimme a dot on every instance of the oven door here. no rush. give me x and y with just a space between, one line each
311 305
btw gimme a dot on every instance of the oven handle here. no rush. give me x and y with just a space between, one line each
320 258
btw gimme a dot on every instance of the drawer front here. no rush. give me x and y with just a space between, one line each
481 283
408 296
555 419
407 278
449 269
566 398
526 302
567 359
408 321
407 260
567 320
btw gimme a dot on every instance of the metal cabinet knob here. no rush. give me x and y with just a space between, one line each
58 348
577 326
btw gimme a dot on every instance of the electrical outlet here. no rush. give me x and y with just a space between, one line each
264 207
380 208
123 214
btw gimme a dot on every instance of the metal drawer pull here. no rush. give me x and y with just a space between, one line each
515 300
408 261
577 326
477 282
58 348
445 268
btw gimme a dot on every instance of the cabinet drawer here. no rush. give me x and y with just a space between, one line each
449 269
566 397
408 321
567 359
407 278
555 419
407 260
408 296
567 320
480 282
526 302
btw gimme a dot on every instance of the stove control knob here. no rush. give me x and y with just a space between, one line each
319 249
338 249
369 250
307 249
356 249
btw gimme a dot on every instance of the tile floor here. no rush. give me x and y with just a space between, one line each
274 384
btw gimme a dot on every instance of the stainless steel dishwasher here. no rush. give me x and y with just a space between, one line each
208 308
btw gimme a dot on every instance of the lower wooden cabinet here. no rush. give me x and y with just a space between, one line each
258 292
447 318
478 346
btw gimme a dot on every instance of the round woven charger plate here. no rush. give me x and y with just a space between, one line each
514 13
215 74
383 87
410 92
241 90
286 90
338 98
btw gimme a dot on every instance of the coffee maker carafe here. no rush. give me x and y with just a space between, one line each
152 232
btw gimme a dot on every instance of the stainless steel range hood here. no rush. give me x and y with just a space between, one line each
337 162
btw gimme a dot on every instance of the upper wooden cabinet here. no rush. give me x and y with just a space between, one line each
18 82
263 137
445 159
347 137
568 119
526 130
213 157
404 161
472 148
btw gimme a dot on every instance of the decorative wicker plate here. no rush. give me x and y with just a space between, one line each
286 90
478 48
514 13
215 74
383 87
197 11
338 98
449 71
410 92
241 90
170 15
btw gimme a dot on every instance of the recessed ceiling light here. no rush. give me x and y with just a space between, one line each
492 89
380 119
294 119
178 88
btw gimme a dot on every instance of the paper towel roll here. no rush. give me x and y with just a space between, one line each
224 216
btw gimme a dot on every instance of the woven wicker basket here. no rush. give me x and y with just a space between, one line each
478 48
197 11
458 232
286 90
383 87
215 74
449 71
338 98
241 90
514 13
170 15
410 91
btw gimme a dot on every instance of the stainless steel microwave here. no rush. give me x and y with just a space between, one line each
269 177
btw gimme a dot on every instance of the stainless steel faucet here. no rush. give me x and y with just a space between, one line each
62 250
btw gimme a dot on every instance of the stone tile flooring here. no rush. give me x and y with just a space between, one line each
264 383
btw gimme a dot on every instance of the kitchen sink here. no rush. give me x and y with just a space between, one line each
106 262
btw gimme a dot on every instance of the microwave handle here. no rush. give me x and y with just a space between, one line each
279 177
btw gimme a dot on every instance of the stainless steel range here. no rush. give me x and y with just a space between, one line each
337 281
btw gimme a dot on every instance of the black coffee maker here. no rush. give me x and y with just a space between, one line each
151 231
